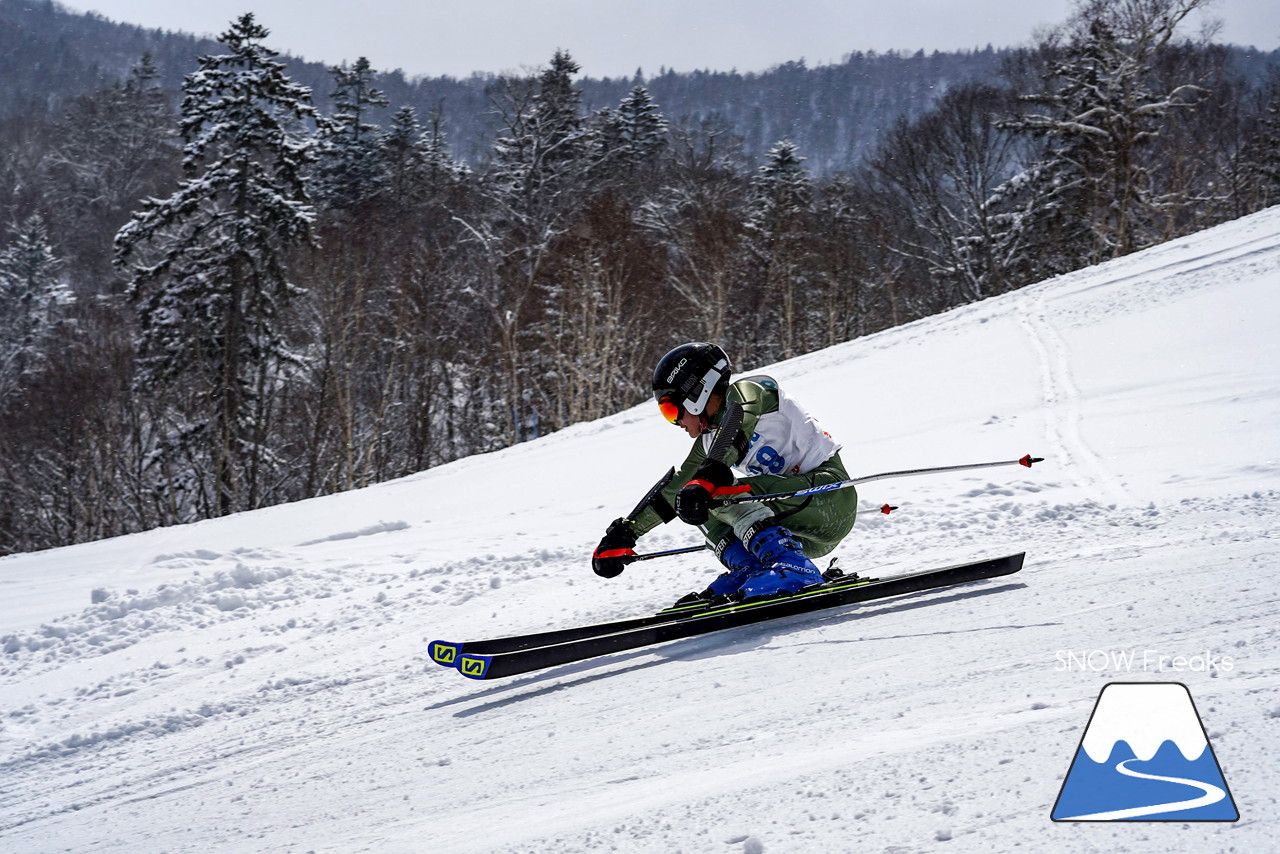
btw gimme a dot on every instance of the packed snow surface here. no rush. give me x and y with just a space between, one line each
260 683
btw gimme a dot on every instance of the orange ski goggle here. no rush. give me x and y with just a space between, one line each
670 410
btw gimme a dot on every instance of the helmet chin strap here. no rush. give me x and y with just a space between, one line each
710 407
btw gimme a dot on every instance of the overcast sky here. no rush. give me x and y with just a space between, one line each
615 37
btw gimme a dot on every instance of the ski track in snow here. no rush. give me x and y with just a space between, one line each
1062 405
260 683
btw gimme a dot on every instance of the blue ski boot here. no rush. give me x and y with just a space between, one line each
741 565
786 568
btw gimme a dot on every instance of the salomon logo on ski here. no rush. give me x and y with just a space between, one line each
443 652
474 666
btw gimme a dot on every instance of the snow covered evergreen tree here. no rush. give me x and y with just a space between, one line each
542 175
782 188
207 267
114 147
33 302
1098 117
544 143
1268 139
644 129
696 215
348 169
417 159
633 134
778 241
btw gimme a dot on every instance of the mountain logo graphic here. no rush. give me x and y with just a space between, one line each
1145 756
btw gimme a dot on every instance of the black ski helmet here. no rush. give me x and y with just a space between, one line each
687 376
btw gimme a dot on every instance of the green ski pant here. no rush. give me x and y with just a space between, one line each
819 521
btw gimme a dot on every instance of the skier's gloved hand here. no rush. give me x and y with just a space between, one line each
610 556
693 501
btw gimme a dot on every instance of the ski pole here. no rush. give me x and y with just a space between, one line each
745 498
629 559
742 498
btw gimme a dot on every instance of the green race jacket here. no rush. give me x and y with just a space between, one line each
774 445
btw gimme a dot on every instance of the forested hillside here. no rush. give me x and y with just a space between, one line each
49 56
229 280
835 113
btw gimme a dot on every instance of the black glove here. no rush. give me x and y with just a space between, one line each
693 501
610 557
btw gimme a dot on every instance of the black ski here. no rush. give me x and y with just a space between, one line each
447 653
512 656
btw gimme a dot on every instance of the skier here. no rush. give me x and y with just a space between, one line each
753 426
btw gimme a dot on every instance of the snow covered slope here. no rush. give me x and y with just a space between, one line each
260 684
